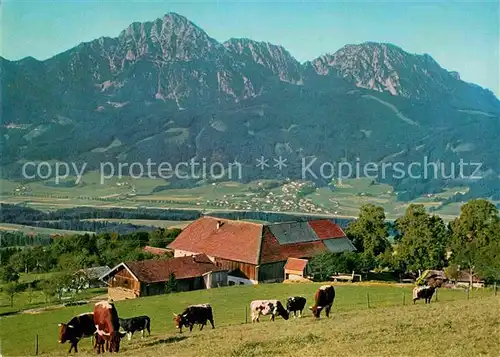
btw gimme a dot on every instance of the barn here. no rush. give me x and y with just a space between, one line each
254 252
129 280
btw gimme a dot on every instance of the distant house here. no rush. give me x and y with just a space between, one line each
91 277
254 252
156 251
431 275
129 280
464 279
296 269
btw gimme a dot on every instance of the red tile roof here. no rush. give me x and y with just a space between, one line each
234 240
326 229
155 271
156 250
296 264
249 242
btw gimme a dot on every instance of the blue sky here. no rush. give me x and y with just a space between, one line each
461 36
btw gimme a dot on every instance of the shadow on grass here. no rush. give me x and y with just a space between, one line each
171 339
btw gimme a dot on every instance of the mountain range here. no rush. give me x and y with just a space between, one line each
167 91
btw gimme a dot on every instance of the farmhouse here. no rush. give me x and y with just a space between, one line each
254 252
129 280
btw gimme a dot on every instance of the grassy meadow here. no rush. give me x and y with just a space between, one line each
358 327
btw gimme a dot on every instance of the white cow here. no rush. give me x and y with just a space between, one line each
266 307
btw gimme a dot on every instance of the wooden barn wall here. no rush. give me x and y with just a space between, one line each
182 285
247 269
152 289
272 272
124 279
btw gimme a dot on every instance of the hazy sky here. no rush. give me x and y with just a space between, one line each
461 36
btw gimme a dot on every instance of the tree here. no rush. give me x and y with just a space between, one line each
8 274
324 265
451 272
49 289
157 238
11 289
488 264
57 285
423 240
369 235
80 280
161 237
29 294
22 261
171 284
474 233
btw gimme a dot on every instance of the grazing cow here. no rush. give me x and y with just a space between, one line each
77 328
294 304
324 298
266 307
423 292
194 314
133 324
107 326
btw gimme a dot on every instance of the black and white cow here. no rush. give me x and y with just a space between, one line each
77 328
134 324
423 292
194 314
294 304
267 307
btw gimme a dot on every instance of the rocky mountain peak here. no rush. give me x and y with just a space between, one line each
170 38
385 68
274 57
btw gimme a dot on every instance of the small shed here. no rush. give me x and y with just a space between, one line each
148 277
296 269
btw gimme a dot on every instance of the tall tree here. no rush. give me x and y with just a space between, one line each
11 290
369 234
475 235
423 241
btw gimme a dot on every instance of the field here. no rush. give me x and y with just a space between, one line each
37 300
382 326
29 229
145 222
263 195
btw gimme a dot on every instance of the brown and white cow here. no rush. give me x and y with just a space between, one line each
77 328
323 299
267 307
107 327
